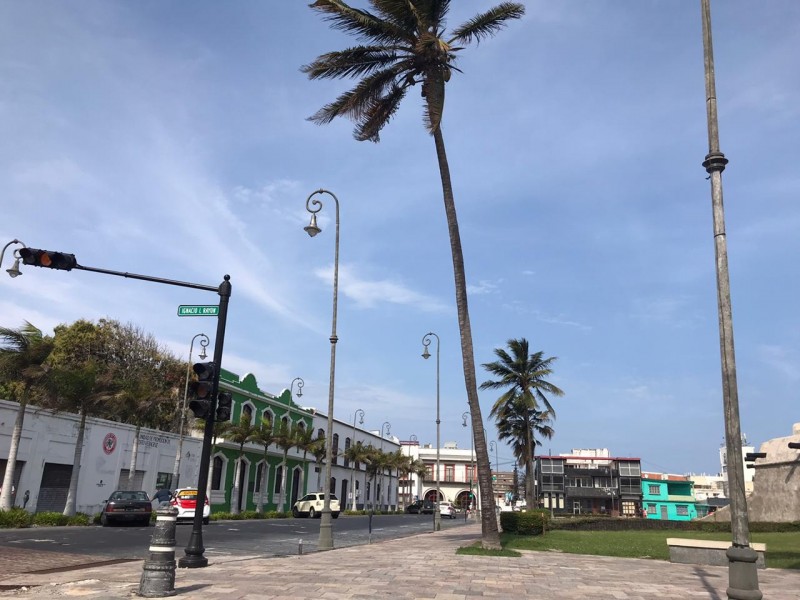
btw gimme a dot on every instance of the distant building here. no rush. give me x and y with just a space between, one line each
748 473
668 497
589 481
458 480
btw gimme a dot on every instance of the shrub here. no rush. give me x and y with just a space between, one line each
529 522
251 514
80 519
222 516
50 519
15 518
96 519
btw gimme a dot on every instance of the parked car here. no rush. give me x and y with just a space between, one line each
311 505
425 507
126 506
185 500
446 509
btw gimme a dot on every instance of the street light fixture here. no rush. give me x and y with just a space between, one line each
314 205
388 427
358 413
14 270
426 341
204 341
468 416
300 384
493 447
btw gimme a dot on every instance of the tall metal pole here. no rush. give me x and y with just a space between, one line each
388 427
176 471
437 513
742 573
194 549
326 522
353 469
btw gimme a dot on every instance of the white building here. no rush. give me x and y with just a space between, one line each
47 450
457 474
748 473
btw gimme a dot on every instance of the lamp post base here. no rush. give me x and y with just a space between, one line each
194 550
437 521
325 530
742 574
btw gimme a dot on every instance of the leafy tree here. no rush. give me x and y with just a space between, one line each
319 451
406 45
22 365
305 441
402 463
523 376
357 453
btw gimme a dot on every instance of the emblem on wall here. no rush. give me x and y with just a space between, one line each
109 443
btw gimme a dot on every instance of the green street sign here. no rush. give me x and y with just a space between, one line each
494 477
185 310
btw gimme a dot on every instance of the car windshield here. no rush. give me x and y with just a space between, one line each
129 496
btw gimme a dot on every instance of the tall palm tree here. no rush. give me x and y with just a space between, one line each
263 437
357 453
522 375
319 451
407 46
240 433
305 442
22 361
401 462
285 438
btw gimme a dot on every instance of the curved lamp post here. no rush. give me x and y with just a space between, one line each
493 446
14 270
426 341
314 205
176 471
300 384
358 413
388 427
467 416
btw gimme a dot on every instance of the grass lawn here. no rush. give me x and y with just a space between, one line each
783 549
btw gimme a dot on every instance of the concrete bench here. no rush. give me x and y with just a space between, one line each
708 552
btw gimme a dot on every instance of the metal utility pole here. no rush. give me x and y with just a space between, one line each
742 573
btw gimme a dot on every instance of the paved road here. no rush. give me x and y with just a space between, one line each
42 549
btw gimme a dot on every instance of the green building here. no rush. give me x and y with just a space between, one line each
668 497
242 476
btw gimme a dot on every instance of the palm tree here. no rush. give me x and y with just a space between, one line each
22 359
319 452
305 442
402 463
408 46
522 375
240 433
285 438
357 453
263 437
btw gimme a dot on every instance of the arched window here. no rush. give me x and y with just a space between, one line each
268 419
346 448
247 411
332 489
301 426
335 449
260 473
216 474
285 421
320 433
278 479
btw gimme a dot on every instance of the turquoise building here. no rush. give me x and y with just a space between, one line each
241 477
668 497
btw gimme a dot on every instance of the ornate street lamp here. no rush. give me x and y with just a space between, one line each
300 384
176 471
426 341
314 205
14 270
358 413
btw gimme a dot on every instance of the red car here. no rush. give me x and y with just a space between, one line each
127 506
185 500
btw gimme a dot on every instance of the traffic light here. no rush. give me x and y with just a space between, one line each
794 445
200 404
48 259
224 404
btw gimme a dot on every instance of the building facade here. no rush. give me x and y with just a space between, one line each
589 481
458 481
668 497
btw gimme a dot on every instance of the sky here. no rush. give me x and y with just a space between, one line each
170 138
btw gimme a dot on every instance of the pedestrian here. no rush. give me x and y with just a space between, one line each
25 498
161 496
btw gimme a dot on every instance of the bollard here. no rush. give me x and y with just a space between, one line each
300 547
158 575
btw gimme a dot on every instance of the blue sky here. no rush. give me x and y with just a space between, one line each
170 138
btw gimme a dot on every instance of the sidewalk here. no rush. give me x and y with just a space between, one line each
423 567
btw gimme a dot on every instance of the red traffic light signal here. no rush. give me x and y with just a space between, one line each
48 259
202 389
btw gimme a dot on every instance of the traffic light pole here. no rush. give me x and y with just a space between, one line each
194 549
66 262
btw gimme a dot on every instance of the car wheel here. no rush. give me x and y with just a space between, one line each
312 513
103 520
295 512
335 515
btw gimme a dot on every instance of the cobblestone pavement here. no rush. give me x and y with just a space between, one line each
422 567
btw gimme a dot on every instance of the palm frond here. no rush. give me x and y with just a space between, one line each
355 103
351 62
401 13
378 114
488 23
359 22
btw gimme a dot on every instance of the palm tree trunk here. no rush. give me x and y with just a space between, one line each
490 538
263 485
7 496
69 509
134 453
529 500
235 491
283 481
